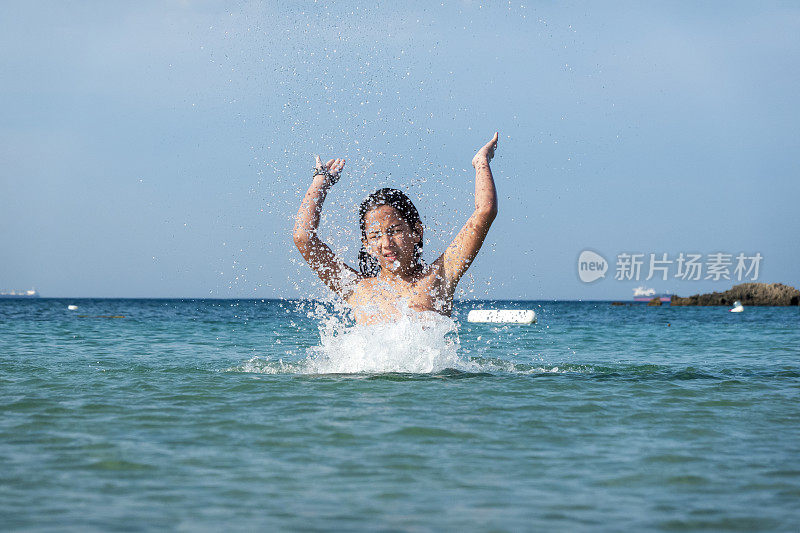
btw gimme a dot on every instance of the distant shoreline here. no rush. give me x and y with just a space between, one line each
616 302
748 294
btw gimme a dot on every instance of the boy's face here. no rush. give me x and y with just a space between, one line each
390 239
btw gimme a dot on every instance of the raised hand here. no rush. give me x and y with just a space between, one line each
486 153
333 167
330 268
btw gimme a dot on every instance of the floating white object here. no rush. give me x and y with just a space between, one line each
502 316
72 307
737 307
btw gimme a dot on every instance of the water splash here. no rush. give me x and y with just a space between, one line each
416 343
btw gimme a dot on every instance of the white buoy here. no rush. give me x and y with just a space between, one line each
502 316
72 307
737 307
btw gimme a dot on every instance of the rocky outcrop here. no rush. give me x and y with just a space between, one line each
747 293
654 302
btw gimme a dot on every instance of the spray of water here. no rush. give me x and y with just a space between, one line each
417 342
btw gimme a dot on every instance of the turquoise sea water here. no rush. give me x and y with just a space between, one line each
213 414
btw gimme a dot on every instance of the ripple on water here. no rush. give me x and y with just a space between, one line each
426 432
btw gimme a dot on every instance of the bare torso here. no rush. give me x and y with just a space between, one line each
381 299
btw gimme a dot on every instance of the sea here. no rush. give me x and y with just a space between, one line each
243 415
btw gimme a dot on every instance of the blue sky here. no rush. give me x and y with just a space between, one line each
161 149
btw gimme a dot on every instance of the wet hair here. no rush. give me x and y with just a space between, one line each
367 264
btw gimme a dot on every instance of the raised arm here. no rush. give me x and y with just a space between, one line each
331 270
462 251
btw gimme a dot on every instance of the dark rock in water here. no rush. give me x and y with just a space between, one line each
654 302
747 293
619 303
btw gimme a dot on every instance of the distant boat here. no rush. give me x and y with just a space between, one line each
737 307
31 293
643 294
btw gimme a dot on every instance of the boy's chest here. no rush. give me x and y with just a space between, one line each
425 294
420 294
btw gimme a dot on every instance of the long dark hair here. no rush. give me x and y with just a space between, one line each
367 264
